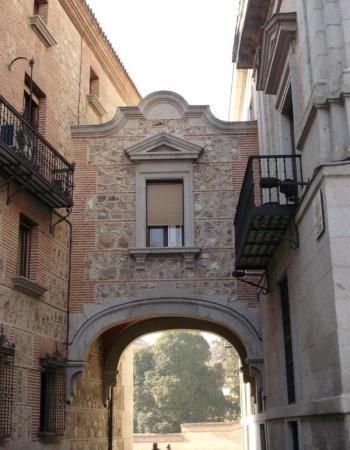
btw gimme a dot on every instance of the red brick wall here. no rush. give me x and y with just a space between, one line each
62 72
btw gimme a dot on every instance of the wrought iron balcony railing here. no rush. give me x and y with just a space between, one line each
29 160
270 191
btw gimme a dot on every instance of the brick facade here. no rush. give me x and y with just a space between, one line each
62 73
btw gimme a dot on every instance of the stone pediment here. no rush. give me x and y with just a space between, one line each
163 146
278 33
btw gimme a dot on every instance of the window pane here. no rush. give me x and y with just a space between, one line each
156 237
174 236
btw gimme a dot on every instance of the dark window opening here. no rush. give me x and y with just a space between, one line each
52 398
34 101
165 215
293 428
94 86
26 227
287 337
288 113
41 9
7 352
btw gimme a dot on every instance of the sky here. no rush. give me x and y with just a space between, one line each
183 45
152 337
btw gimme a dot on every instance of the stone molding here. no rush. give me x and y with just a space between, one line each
163 146
40 28
164 170
95 103
252 16
140 254
320 98
84 20
326 406
28 287
332 169
165 309
278 33
179 104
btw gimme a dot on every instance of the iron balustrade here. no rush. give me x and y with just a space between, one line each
271 185
28 147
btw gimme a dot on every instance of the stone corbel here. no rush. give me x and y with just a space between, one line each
109 382
74 370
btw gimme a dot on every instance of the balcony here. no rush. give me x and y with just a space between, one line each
27 159
270 192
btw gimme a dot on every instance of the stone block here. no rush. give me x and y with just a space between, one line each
111 207
60 261
209 206
114 236
218 148
115 179
213 176
24 343
21 422
214 233
106 152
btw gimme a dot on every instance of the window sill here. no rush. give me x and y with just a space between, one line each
96 105
28 287
40 28
140 254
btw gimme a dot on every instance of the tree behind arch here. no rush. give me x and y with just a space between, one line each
175 382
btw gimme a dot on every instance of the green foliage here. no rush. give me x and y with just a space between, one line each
176 382
227 356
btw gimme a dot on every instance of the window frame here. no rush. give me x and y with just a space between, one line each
165 227
52 397
162 172
25 238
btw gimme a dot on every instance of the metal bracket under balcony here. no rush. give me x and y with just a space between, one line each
270 193
28 162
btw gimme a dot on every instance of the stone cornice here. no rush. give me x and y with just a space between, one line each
278 34
178 103
84 20
251 17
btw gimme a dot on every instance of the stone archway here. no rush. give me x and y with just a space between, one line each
237 324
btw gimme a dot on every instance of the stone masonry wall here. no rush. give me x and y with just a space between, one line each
87 427
106 213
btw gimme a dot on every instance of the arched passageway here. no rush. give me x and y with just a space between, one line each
98 342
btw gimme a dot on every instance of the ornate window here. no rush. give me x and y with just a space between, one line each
7 353
164 197
52 396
